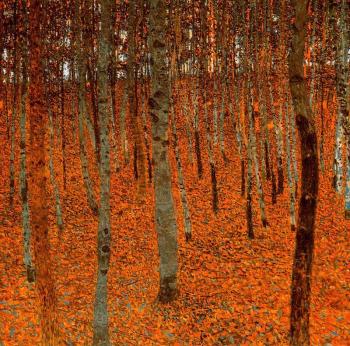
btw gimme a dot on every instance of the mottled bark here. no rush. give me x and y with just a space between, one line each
159 109
180 178
100 323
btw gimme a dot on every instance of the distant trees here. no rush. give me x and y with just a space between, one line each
234 77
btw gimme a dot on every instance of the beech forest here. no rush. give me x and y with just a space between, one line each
174 172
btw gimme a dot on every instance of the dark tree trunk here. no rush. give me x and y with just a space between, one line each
302 264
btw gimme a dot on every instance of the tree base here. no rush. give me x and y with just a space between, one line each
30 274
347 214
168 291
188 236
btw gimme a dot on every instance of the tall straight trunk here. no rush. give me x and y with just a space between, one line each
28 262
63 131
38 179
293 150
347 186
185 113
290 172
322 130
180 178
222 124
59 219
87 111
254 158
313 57
238 132
159 109
145 132
342 85
279 142
82 114
197 144
123 137
249 210
139 154
100 324
215 111
302 263
338 154
94 107
14 108
214 188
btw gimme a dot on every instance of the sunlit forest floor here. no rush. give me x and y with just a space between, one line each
233 291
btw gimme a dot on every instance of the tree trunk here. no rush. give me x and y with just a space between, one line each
38 179
100 324
139 153
180 178
302 264
82 109
23 161
159 109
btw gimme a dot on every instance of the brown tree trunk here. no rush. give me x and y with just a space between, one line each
139 153
302 265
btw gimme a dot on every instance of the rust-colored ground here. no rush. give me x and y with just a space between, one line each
233 291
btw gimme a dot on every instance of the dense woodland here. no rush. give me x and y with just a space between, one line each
174 172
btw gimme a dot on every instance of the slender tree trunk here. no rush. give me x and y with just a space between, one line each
101 334
14 107
197 144
38 179
82 109
145 132
123 137
290 172
159 109
59 219
214 189
180 178
302 264
249 210
139 154
254 157
188 127
63 131
23 160
347 187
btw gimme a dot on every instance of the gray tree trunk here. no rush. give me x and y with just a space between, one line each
101 334
159 109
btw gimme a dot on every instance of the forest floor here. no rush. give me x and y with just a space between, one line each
233 291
